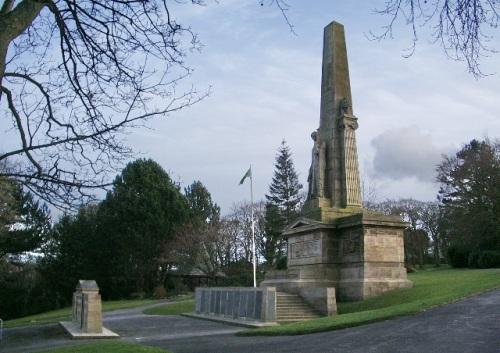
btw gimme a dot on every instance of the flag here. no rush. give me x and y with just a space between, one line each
247 174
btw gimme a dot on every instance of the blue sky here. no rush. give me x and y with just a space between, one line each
265 87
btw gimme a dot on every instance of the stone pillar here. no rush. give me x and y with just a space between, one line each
87 307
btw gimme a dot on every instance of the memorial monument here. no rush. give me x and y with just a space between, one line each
336 243
87 313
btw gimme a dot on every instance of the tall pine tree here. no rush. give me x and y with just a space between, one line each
282 205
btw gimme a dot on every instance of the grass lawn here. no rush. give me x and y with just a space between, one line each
65 313
431 288
108 347
185 306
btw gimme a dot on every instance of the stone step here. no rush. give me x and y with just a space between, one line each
296 318
289 321
290 300
301 308
296 310
292 308
292 304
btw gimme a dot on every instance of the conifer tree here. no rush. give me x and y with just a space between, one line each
284 191
283 203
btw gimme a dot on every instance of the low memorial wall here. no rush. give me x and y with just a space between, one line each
237 303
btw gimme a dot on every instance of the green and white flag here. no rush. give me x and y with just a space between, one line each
247 175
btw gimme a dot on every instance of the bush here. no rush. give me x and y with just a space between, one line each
175 285
458 256
138 295
473 258
159 292
281 264
488 258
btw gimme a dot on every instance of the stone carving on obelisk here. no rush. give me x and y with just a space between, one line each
316 177
334 172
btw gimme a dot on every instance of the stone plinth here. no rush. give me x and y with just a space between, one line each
87 313
361 255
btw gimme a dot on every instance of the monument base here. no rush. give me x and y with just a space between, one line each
361 255
76 332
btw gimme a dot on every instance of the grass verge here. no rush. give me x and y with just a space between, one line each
181 307
108 347
431 288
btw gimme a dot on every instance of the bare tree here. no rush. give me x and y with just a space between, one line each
241 215
463 28
75 75
430 216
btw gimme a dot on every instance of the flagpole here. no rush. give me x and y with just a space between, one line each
253 231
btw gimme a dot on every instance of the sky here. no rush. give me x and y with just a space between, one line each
265 87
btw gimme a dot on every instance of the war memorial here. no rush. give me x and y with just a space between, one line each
336 250
86 317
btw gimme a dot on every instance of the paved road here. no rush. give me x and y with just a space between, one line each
468 326
131 324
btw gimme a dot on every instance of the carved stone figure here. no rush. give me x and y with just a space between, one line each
316 178
344 106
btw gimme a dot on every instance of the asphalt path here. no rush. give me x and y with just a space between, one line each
468 326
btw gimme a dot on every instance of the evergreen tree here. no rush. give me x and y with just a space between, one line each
470 201
203 209
24 221
139 217
284 191
282 205
122 242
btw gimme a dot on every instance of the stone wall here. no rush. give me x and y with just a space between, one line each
252 304
320 298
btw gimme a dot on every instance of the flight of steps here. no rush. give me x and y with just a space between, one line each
291 308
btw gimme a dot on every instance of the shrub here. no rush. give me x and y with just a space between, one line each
281 264
159 292
488 258
138 295
473 258
458 256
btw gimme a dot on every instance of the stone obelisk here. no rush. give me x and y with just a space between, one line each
336 244
334 186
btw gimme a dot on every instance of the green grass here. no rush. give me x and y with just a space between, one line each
431 288
181 307
108 347
65 313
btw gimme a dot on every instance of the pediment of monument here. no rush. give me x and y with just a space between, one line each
301 222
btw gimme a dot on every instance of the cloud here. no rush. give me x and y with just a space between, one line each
406 152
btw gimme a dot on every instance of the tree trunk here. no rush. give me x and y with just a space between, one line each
437 257
15 21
